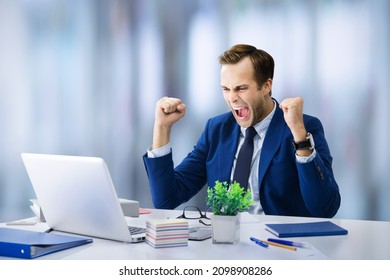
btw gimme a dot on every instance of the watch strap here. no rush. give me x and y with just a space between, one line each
307 144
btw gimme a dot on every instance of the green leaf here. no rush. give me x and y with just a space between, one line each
228 200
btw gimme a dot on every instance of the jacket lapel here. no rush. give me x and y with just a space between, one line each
272 141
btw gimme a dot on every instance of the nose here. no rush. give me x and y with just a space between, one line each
232 96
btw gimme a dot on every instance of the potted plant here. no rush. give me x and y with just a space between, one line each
226 203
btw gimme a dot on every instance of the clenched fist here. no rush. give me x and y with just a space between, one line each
293 115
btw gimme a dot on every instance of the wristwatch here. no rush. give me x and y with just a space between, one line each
307 144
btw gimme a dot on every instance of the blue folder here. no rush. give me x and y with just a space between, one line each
27 244
306 229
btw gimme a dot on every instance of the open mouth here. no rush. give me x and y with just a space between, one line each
242 112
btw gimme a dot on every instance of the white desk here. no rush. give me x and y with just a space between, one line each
366 240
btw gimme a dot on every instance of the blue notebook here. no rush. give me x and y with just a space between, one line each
26 244
306 229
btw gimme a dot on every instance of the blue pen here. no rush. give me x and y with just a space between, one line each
259 242
289 243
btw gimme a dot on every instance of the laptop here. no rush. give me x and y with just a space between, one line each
77 195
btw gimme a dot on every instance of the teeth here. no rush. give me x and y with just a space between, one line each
237 109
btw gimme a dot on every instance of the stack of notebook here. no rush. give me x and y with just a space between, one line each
167 233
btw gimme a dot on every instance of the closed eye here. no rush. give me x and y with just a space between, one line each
241 88
225 89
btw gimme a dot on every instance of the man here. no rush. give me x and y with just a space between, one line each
291 169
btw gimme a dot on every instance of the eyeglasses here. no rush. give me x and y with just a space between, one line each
194 213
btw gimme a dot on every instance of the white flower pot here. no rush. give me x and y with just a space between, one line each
225 229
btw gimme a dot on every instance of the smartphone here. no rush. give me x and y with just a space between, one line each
200 234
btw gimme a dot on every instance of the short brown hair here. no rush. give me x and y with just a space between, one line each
263 63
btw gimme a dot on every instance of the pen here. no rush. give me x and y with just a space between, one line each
259 242
289 243
281 245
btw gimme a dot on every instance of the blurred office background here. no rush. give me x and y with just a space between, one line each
82 78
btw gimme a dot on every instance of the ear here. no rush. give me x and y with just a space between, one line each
268 85
266 88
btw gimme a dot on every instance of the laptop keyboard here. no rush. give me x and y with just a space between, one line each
136 230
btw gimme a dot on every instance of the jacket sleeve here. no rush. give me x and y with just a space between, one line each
318 186
172 186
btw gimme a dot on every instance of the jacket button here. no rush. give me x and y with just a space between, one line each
320 173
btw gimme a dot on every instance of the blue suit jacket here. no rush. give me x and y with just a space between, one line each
286 187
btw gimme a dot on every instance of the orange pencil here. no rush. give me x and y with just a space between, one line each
280 245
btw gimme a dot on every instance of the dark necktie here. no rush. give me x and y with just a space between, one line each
244 159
